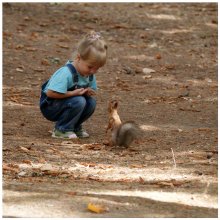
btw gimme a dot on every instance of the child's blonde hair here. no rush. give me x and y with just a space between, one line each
93 48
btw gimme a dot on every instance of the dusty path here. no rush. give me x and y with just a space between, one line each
175 105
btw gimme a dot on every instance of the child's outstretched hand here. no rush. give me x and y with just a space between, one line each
80 91
90 92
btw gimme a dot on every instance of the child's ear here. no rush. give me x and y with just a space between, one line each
78 57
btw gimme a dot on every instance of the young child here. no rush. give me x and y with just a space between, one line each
66 98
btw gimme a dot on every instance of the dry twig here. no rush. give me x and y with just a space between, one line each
173 158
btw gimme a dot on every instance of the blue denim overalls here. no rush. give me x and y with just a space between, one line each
69 113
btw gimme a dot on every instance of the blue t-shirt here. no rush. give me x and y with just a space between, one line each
62 80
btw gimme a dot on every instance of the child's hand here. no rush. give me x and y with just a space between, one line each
82 91
90 92
79 92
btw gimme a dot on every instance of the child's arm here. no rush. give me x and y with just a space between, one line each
57 95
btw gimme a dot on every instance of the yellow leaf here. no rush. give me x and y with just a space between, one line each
96 208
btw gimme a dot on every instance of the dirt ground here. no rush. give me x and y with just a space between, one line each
162 67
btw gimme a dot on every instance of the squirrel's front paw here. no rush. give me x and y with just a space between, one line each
106 142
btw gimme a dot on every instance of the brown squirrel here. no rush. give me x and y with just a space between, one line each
122 134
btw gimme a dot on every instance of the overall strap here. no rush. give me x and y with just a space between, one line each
44 85
74 73
91 78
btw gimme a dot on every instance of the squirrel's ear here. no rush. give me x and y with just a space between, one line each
115 104
112 105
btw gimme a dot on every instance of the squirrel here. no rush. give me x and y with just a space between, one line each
122 134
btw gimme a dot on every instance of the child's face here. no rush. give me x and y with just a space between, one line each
85 68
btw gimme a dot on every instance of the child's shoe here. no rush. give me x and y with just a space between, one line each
65 135
82 133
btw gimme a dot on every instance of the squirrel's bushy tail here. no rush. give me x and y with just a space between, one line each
127 132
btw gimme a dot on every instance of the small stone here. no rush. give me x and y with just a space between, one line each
209 155
22 173
47 167
128 70
148 71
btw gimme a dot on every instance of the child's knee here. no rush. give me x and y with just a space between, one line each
91 103
77 102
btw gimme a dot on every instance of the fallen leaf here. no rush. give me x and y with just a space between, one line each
53 172
88 164
190 110
39 70
31 49
171 183
141 180
96 208
120 26
95 146
141 57
179 182
136 166
132 45
7 34
212 151
7 167
19 46
91 177
24 149
19 70
34 36
204 129
41 160
169 66
165 184
143 35
63 46
64 38
72 193
45 62
147 77
44 24
26 18
158 56
103 166
27 162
